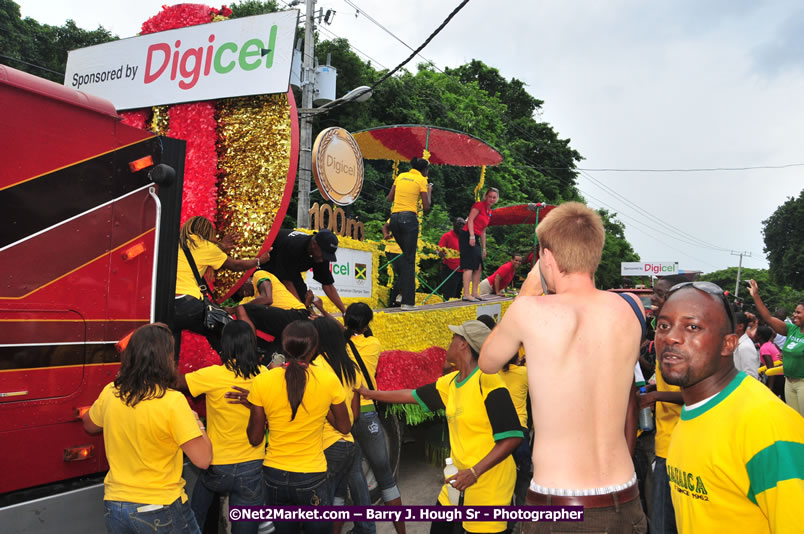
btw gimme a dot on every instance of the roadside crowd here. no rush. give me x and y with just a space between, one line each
728 452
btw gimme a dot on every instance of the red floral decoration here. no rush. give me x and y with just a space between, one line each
400 369
135 118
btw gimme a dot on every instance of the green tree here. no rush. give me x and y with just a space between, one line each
616 249
248 8
772 293
42 48
784 242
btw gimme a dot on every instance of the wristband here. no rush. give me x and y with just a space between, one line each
472 469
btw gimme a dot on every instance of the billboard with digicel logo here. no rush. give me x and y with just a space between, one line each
352 273
648 268
239 57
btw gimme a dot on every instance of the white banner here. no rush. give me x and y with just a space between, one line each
352 273
247 56
648 268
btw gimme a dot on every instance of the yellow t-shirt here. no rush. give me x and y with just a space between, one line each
479 413
736 463
667 415
226 423
297 445
205 254
282 298
516 380
143 446
331 435
409 187
369 349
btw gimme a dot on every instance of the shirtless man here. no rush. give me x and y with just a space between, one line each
582 346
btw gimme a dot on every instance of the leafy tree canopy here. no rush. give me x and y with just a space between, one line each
784 242
772 293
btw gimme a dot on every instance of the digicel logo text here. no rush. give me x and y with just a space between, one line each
651 268
191 63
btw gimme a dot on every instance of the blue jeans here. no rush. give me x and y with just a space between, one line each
358 488
297 489
405 228
176 518
243 483
340 456
369 433
662 514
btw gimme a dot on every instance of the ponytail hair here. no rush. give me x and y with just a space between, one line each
239 349
300 341
357 317
332 347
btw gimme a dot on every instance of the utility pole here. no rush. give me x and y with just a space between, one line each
305 173
739 269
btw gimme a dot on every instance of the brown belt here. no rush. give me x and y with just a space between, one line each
587 501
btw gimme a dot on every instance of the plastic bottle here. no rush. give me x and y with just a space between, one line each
645 415
449 470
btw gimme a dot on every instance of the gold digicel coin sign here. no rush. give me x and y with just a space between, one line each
338 166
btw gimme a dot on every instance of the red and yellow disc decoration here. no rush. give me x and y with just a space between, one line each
240 163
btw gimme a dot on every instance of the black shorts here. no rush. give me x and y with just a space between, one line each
471 256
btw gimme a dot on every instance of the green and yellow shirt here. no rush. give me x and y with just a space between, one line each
736 463
479 413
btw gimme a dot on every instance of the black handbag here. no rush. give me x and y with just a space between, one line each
215 315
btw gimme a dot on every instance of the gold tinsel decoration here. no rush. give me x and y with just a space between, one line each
254 145
159 120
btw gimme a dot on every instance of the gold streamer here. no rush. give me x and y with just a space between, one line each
479 185
159 120
396 169
426 155
254 144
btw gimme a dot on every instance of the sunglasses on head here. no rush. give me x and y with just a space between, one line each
711 289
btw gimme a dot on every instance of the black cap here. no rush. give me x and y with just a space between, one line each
328 243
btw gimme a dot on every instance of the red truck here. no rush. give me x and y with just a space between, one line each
89 218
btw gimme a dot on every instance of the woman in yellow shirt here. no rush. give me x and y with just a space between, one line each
339 448
296 400
368 430
146 426
236 467
197 237
408 188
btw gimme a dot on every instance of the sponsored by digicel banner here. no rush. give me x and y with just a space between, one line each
352 274
648 268
239 57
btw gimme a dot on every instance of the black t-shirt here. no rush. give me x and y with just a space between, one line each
290 258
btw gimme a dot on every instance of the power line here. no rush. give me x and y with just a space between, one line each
415 52
31 64
386 30
702 169
692 240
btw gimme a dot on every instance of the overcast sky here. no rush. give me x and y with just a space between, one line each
675 84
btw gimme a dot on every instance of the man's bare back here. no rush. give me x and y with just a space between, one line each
581 347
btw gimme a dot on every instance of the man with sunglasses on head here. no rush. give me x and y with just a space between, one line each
735 459
582 346
667 409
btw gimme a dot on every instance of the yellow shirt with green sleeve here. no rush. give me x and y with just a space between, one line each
736 463
143 446
226 422
479 413
667 415
281 297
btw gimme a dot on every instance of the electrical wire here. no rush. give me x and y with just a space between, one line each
31 64
407 60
